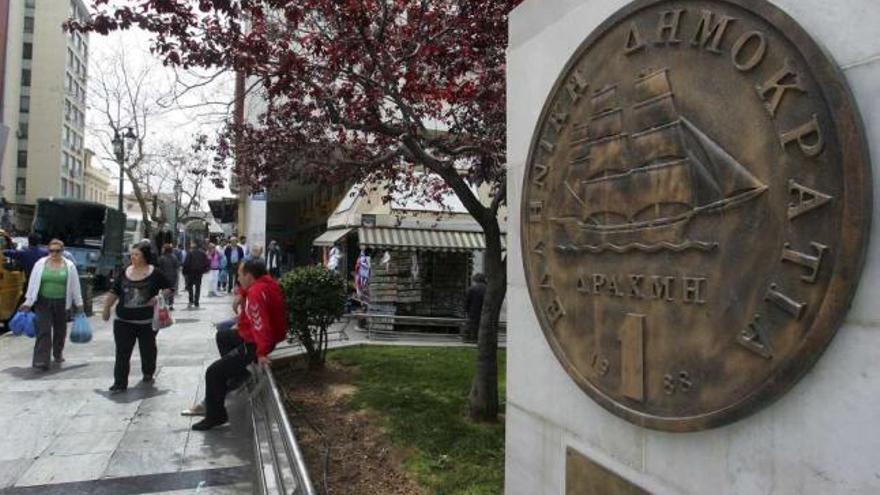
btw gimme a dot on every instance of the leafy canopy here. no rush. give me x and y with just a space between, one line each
355 89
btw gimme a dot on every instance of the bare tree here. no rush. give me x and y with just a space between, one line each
171 164
125 94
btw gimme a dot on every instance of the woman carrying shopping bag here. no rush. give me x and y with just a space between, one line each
137 290
53 288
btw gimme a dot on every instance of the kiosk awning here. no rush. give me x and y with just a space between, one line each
330 237
421 239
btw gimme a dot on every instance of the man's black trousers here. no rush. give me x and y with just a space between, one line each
236 355
194 288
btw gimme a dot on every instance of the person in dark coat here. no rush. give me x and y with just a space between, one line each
473 306
195 266
28 257
170 267
273 259
234 255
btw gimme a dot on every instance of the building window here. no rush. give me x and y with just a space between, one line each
25 77
28 24
22 130
21 186
30 3
28 52
22 159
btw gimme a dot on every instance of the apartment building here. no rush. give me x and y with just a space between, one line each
96 181
44 95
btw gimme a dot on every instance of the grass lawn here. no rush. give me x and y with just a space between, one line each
421 396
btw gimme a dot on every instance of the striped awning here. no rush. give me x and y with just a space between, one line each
330 237
421 239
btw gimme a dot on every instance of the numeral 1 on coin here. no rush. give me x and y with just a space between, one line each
632 357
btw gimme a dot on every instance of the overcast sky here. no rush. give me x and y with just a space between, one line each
178 123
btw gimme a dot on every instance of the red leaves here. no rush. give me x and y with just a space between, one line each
349 81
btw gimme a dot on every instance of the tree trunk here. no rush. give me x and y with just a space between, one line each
484 390
142 202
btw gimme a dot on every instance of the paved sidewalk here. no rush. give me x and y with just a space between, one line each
62 433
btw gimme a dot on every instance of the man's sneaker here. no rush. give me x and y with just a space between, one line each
208 423
196 410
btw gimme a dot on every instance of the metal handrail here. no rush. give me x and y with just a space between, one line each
267 405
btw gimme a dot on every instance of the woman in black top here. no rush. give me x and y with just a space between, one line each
136 290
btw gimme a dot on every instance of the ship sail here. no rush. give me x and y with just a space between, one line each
653 179
723 176
627 196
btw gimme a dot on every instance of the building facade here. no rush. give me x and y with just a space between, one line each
96 181
45 103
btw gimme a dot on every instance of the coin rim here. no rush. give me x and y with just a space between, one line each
856 198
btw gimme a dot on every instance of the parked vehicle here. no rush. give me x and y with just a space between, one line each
134 230
11 283
92 233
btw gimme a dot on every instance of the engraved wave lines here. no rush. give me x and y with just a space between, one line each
705 247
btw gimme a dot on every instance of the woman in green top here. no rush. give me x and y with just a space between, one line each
52 290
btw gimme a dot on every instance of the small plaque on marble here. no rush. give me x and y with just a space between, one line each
583 476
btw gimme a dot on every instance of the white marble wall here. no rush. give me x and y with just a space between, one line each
823 437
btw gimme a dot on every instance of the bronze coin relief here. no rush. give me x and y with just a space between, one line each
696 210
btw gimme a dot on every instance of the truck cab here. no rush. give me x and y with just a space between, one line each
11 283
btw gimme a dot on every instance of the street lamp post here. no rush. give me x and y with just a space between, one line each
119 145
178 189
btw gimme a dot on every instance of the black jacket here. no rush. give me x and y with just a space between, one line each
228 252
168 265
196 263
473 302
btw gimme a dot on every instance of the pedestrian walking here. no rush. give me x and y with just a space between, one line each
273 259
213 275
261 325
473 306
53 289
170 268
136 291
195 266
222 276
243 243
234 255
256 253
29 256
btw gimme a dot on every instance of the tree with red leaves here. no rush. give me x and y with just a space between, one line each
359 90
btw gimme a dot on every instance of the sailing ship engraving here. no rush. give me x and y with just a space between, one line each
637 191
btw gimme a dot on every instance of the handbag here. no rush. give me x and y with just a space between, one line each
161 315
24 323
82 331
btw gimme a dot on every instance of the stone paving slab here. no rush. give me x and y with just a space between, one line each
62 431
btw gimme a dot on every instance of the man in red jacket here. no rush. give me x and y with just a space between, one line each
261 324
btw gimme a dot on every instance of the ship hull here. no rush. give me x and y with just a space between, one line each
574 235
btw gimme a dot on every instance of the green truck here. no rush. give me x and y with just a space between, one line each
91 232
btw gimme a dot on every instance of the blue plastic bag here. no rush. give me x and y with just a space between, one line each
24 323
82 331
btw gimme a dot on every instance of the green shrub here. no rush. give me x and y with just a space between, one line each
315 298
